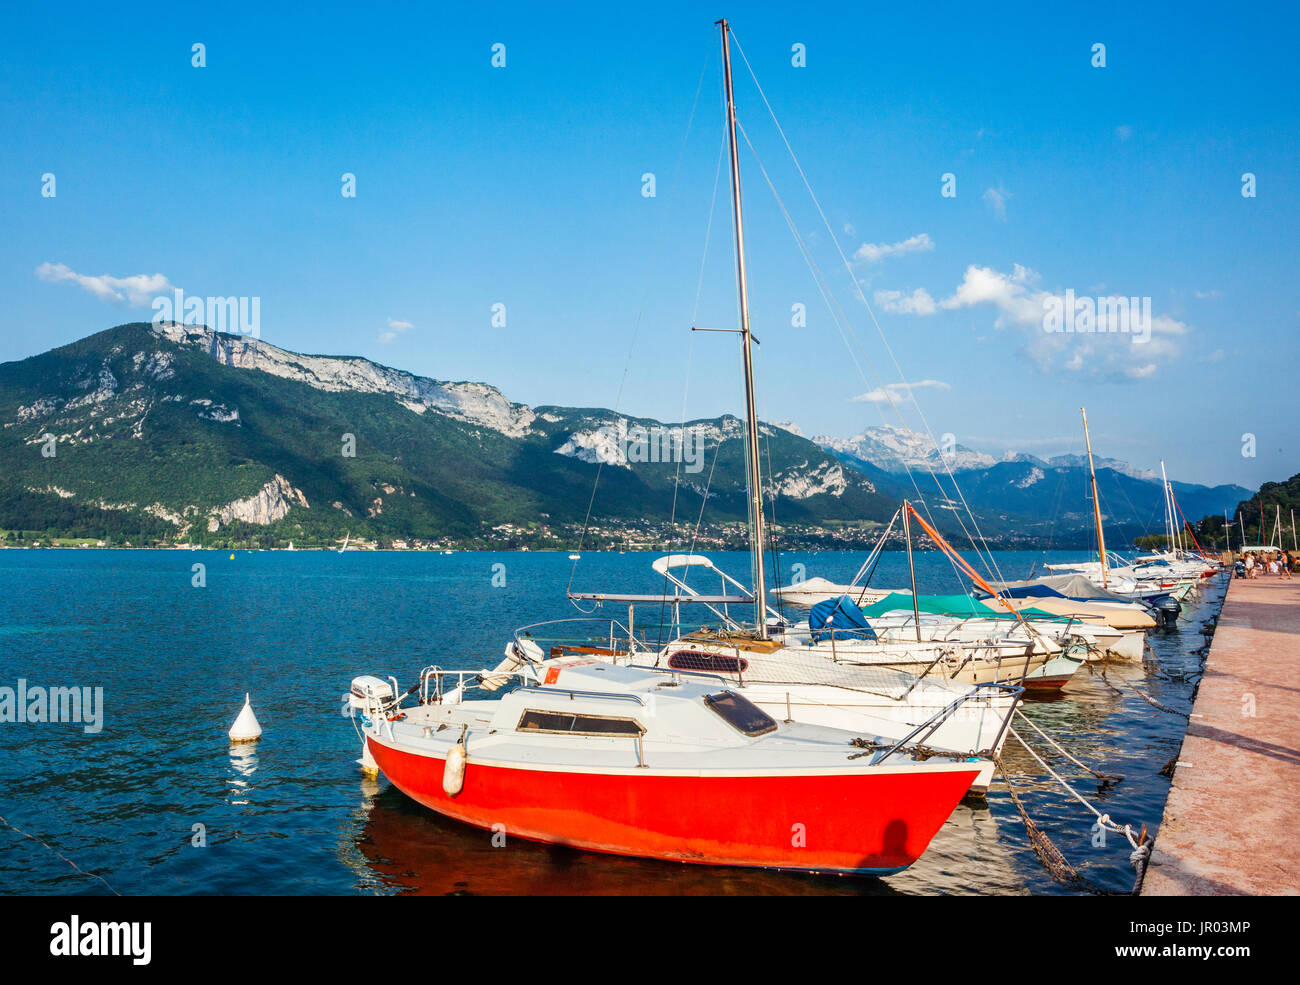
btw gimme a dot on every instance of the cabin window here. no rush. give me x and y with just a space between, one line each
712 663
568 723
740 713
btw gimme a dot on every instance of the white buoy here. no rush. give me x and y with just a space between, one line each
246 728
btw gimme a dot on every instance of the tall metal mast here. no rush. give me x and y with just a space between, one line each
755 476
1169 516
911 568
1096 503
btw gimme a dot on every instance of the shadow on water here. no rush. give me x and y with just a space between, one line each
410 850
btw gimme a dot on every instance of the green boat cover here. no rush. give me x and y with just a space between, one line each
951 605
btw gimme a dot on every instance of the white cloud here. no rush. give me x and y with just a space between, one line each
1111 351
396 328
1123 131
996 199
1209 295
874 252
918 302
138 290
882 395
1217 356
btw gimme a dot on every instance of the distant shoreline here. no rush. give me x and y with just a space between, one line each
509 550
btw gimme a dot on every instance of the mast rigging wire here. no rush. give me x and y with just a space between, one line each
989 561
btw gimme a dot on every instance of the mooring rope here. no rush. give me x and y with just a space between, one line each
1104 777
1050 856
919 751
55 851
1103 819
1053 861
1145 697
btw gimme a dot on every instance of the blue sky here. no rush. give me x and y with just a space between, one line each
522 186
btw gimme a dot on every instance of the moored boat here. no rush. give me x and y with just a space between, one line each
640 762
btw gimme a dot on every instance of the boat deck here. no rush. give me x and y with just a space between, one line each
1230 821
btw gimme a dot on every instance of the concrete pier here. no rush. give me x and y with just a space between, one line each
1231 821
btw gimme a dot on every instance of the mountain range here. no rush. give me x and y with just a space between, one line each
1022 497
176 433
169 433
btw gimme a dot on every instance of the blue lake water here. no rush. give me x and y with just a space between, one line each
295 815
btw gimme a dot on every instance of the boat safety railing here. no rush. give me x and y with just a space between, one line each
613 634
574 695
433 687
931 725
939 664
674 672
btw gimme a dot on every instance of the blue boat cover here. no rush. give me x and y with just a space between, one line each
1033 592
841 615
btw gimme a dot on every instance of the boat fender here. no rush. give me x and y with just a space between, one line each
453 771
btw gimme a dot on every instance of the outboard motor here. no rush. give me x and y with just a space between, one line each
1166 609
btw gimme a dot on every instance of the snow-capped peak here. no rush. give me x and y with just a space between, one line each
896 450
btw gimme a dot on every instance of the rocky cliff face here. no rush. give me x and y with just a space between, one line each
474 403
270 503
177 432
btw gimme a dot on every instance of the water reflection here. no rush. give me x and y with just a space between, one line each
408 849
404 848
243 764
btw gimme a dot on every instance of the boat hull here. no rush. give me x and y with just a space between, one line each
865 823
1129 647
979 727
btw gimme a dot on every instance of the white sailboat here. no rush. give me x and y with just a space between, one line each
662 762
956 691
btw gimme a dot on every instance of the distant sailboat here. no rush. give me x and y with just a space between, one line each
345 542
290 545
